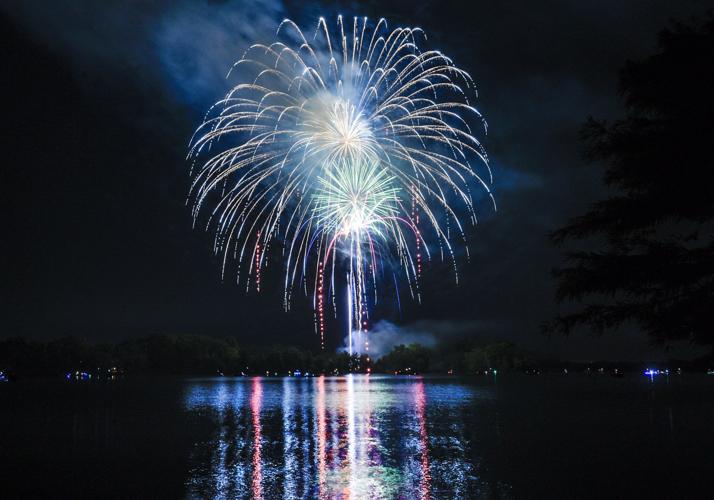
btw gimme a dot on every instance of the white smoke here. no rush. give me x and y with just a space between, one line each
385 335
188 47
198 43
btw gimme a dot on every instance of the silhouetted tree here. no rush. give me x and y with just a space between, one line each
496 355
656 266
413 358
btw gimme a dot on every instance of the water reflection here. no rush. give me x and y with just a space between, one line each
420 399
336 437
256 400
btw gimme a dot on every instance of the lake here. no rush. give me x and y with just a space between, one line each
510 436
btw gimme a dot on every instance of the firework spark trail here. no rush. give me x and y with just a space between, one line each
333 147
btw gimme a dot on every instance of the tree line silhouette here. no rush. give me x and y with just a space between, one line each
204 355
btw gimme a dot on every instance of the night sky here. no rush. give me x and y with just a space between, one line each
101 98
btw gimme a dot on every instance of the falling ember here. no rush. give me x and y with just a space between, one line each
334 146
321 304
258 251
417 240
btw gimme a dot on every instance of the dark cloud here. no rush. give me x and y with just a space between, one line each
105 95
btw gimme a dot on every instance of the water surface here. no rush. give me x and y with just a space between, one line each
360 437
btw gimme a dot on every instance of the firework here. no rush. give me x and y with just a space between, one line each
351 149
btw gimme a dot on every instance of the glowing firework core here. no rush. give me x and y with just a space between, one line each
335 149
355 199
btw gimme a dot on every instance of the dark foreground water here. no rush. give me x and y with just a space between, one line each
360 437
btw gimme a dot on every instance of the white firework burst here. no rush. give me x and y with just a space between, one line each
329 144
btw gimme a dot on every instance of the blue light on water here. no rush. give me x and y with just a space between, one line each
652 372
333 433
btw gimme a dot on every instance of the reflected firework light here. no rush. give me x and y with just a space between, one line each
425 476
335 144
256 401
352 436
